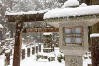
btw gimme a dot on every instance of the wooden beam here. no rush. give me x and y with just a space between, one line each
44 29
18 43
26 17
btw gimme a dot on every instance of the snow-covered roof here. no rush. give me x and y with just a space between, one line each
94 35
70 3
66 12
1 26
47 33
22 13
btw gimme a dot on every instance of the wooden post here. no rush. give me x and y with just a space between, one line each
89 64
7 60
28 52
39 48
11 52
18 43
36 49
23 53
33 50
95 51
95 45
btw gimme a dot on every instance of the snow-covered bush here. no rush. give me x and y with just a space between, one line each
60 58
37 57
70 3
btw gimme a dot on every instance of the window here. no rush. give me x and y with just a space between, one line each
73 35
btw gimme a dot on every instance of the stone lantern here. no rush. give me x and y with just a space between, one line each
73 26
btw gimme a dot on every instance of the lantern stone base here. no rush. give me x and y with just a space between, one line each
73 60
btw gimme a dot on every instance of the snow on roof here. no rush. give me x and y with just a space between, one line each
22 13
70 3
66 12
94 35
47 33
1 26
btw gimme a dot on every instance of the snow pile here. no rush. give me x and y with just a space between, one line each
1 26
66 12
70 3
29 12
94 35
48 33
83 5
2 60
7 33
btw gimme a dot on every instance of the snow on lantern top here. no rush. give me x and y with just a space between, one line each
67 12
69 3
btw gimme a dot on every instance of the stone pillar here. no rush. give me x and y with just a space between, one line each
73 60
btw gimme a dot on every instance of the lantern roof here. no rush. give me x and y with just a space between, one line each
72 12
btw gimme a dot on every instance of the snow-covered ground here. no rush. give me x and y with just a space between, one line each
31 61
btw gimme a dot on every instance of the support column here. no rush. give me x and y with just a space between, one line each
95 51
73 60
95 45
18 43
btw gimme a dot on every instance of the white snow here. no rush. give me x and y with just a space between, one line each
31 61
70 3
1 26
22 13
66 12
94 35
83 5
2 59
7 33
38 63
7 51
47 33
